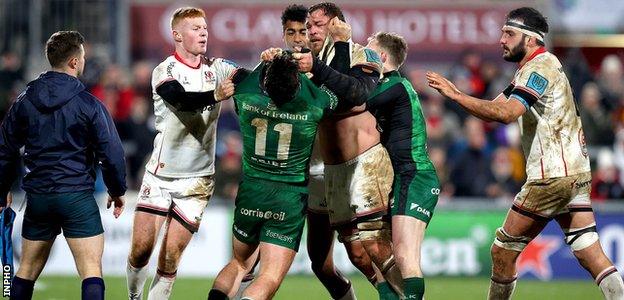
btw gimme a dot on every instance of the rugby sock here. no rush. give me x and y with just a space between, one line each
136 280
217 295
21 288
414 287
386 292
610 283
501 290
244 284
161 285
93 288
349 295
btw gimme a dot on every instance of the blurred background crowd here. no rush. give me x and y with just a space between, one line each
473 158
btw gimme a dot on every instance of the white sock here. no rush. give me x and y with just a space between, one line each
135 277
610 283
161 287
244 284
501 291
349 295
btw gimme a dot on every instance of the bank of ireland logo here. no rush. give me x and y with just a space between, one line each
271 105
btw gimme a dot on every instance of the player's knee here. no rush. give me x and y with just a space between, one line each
374 229
359 258
504 241
581 238
138 259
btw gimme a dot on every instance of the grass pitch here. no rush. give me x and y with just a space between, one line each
309 288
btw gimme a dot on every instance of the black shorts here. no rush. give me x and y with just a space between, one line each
77 214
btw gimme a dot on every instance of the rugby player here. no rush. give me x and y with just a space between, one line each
557 163
397 108
178 179
279 111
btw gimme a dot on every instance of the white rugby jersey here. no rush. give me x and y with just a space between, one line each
552 134
185 141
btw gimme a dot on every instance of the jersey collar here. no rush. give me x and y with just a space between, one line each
393 73
179 58
537 52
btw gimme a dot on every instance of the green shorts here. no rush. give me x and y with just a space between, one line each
415 194
77 214
270 212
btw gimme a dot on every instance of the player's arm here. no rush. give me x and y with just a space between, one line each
10 144
109 151
172 92
502 109
352 88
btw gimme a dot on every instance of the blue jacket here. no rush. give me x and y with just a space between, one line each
65 131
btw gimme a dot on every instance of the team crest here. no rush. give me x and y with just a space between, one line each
209 76
145 190
581 138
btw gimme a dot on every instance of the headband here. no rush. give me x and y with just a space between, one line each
528 30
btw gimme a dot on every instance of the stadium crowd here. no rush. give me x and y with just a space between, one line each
473 158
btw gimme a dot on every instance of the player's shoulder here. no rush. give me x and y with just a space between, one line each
219 61
166 66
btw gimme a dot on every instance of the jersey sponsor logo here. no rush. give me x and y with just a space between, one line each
537 83
267 215
271 105
274 114
420 209
435 191
239 231
280 237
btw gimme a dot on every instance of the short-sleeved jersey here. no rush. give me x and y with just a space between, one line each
277 141
396 106
185 141
551 131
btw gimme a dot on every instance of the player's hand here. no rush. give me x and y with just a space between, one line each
304 61
119 205
224 90
9 200
339 31
269 54
444 86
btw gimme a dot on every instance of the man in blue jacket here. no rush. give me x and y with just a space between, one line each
65 132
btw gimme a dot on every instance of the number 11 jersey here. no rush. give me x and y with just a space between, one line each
277 141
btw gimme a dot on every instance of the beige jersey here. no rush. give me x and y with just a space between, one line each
552 135
185 141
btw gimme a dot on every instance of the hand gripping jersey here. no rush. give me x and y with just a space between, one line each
396 106
185 141
359 55
552 135
277 141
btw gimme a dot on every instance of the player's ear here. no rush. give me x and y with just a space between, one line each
177 36
383 56
73 62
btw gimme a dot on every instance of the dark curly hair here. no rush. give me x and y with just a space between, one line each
281 78
294 12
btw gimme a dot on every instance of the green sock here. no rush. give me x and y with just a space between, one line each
386 292
414 288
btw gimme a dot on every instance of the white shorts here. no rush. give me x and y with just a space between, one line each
360 187
543 199
316 195
183 198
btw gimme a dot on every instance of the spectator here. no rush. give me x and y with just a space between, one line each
596 120
606 181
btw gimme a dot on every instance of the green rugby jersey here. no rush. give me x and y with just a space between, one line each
277 141
396 106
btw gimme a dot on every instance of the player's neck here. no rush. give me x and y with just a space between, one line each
188 58
531 53
70 72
